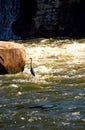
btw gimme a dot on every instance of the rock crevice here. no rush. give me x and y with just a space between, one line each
22 19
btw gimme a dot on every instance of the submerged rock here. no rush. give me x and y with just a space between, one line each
12 57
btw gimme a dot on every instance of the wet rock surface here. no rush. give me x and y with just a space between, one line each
12 57
22 19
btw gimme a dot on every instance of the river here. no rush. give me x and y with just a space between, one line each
55 98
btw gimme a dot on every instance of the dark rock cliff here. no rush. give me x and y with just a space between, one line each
22 19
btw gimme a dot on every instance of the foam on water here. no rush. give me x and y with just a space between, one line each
56 94
55 57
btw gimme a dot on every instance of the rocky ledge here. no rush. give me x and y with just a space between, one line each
12 57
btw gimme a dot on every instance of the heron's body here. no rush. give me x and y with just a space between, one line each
32 71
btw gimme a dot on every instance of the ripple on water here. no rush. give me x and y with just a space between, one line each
55 94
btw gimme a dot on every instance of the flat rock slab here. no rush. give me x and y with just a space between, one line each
12 57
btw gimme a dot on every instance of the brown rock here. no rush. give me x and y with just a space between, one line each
12 57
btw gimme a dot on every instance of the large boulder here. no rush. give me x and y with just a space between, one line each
12 57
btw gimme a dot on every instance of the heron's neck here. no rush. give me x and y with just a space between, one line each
30 62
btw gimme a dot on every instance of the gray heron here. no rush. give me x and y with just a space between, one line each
31 68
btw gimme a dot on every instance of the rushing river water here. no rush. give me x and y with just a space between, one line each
55 98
